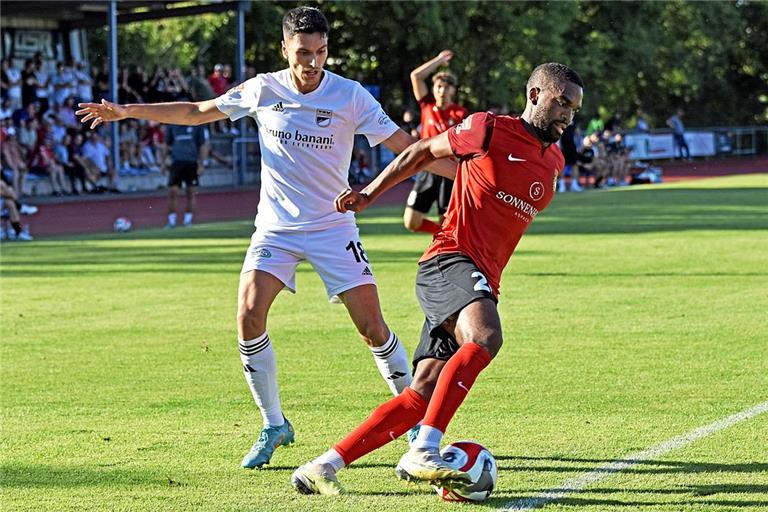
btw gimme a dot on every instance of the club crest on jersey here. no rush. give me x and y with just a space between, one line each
537 190
323 117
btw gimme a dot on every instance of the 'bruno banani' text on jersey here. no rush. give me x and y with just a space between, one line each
306 144
504 179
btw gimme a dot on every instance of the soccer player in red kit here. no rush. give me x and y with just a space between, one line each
507 174
438 114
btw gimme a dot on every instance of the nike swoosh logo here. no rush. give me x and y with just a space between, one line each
514 159
392 435
462 386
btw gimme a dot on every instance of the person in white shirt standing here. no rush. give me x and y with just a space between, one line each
307 119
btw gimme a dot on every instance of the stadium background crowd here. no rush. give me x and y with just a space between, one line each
42 139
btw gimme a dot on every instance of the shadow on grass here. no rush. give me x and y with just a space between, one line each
687 494
26 476
640 467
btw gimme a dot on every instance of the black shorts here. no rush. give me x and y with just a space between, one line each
183 172
430 188
445 285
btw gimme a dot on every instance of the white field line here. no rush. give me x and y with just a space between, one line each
580 482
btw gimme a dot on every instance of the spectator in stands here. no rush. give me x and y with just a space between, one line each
72 170
410 125
90 172
6 112
138 80
617 157
218 81
28 134
10 202
641 125
125 91
571 155
11 78
63 82
56 129
158 86
84 83
28 83
678 132
14 159
155 150
97 153
42 91
595 125
66 113
44 164
130 149
100 83
199 88
177 85
189 152
591 159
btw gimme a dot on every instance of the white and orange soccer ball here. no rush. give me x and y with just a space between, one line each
475 459
122 224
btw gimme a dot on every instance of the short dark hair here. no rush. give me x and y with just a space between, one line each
305 20
552 73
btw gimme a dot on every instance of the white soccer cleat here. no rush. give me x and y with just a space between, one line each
428 466
316 479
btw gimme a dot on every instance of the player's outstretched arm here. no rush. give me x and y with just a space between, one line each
401 140
415 157
180 112
420 74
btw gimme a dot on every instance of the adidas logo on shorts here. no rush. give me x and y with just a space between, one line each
367 272
278 107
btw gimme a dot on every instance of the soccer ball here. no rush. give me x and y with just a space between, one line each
122 224
475 459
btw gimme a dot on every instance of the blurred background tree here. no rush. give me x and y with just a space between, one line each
709 58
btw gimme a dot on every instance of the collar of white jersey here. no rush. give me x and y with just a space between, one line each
323 82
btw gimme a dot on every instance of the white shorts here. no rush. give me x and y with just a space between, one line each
336 254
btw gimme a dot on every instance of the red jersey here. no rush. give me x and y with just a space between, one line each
435 121
504 179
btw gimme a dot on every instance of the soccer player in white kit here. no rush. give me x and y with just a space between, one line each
307 119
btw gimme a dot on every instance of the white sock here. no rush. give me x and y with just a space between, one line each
332 458
428 439
171 219
392 361
260 369
188 218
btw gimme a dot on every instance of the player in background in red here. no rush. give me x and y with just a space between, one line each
438 114
507 174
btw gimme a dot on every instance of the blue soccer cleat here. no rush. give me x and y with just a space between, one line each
269 439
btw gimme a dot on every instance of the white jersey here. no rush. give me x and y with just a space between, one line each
306 144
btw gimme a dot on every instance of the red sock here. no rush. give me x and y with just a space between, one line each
428 226
386 423
456 378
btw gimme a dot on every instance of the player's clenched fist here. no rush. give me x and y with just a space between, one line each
349 200
101 112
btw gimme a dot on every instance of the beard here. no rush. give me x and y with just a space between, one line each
545 128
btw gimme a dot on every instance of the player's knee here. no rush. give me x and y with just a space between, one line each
374 332
250 323
425 378
491 344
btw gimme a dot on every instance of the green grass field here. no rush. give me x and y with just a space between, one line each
631 317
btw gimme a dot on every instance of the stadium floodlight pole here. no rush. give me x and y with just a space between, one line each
112 21
242 6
